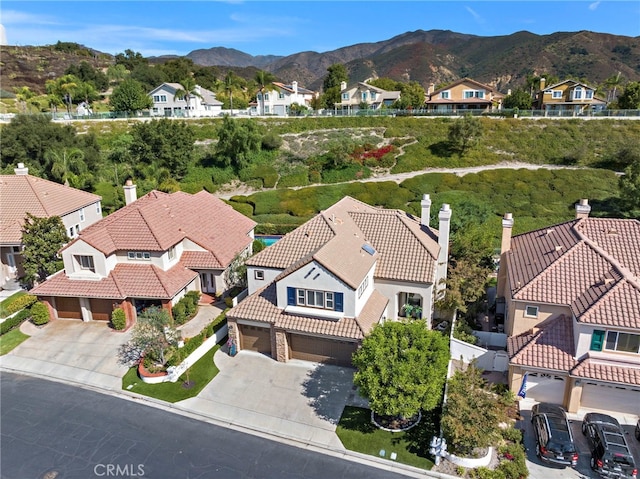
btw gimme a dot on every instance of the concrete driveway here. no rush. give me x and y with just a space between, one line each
297 400
71 350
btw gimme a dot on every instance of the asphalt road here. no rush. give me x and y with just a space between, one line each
56 431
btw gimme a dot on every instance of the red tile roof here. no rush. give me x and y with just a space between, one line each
609 371
125 281
22 194
157 221
262 306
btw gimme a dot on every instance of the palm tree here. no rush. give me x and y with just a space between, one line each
23 95
263 79
65 88
229 83
188 90
612 84
67 165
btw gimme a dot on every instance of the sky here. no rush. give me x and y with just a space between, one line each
282 28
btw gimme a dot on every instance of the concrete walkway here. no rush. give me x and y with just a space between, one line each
206 313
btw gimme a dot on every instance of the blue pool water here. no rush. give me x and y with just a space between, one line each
268 239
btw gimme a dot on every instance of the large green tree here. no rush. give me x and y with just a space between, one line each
86 73
336 74
630 98
237 139
67 166
262 79
152 336
129 96
464 133
402 368
42 238
187 91
630 187
165 143
519 98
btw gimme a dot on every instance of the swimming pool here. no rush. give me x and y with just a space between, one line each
268 240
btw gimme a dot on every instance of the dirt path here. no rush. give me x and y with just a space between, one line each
227 191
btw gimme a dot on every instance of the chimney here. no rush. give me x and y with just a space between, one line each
509 92
431 89
343 85
507 226
130 194
443 240
583 209
425 213
543 83
294 87
21 170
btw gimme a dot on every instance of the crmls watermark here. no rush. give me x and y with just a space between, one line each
119 470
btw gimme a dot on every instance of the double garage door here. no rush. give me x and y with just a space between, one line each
69 308
609 397
321 350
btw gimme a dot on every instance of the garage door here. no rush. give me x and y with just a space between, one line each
545 388
253 338
101 309
68 308
607 397
321 350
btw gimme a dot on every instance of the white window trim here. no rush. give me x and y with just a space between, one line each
172 252
526 312
82 215
258 274
616 350
556 94
90 266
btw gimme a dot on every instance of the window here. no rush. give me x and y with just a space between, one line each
266 108
77 229
623 342
373 96
86 262
364 96
444 95
281 95
314 299
71 232
172 252
597 339
258 274
266 97
531 312
363 286
98 208
159 98
577 93
474 94
345 96
81 215
556 94
143 255
588 94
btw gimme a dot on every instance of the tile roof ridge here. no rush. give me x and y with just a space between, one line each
114 277
28 179
604 297
155 270
624 271
403 218
153 233
535 335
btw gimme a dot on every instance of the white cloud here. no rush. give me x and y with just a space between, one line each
14 17
594 5
476 16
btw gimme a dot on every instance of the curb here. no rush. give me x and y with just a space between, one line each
345 454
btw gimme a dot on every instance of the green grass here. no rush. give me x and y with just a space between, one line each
201 373
11 340
7 301
357 433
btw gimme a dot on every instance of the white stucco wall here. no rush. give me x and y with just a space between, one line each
256 284
92 213
362 300
80 248
391 289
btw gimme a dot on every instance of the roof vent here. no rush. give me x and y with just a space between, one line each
607 281
558 247
549 231
369 249
612 231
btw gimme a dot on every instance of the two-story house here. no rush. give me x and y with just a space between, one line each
572 299
464 94
23 193
166 103
318 291
352 98
150 252
567 96
278 98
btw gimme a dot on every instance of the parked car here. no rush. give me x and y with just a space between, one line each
610 453
638 430
554 441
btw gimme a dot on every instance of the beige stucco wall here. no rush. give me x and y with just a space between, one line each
391 289
518 323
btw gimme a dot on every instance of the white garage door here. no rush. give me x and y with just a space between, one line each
608 397
543 387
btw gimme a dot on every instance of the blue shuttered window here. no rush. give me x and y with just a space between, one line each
291 296
339 301
597 340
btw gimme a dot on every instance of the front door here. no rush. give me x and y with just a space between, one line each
11 265
207 283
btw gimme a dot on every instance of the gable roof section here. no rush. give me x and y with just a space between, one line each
591 265
289 88
157 221
609 371
570 83
22 194
208 97
474 83
549 348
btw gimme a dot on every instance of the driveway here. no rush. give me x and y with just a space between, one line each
71 350
297 400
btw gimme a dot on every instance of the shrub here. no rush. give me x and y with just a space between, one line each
39 313
118 319
179 312
271 141
186 308
19 303
14 321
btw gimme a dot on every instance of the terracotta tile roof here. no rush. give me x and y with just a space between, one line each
405 250
609 371
549 348
157 221
22 194
580 264
200 260
262 306
125 281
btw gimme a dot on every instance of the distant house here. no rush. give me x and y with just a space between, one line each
567 96
21 194
166 104
572 312
278 98
355 97
315 293
464 94
148 253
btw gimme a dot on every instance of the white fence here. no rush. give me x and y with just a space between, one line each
486 359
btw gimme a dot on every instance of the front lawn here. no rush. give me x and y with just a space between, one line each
11 340
358 433
5 303
201 373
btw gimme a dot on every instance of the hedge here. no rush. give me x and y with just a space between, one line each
19 303
191 344
14 321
